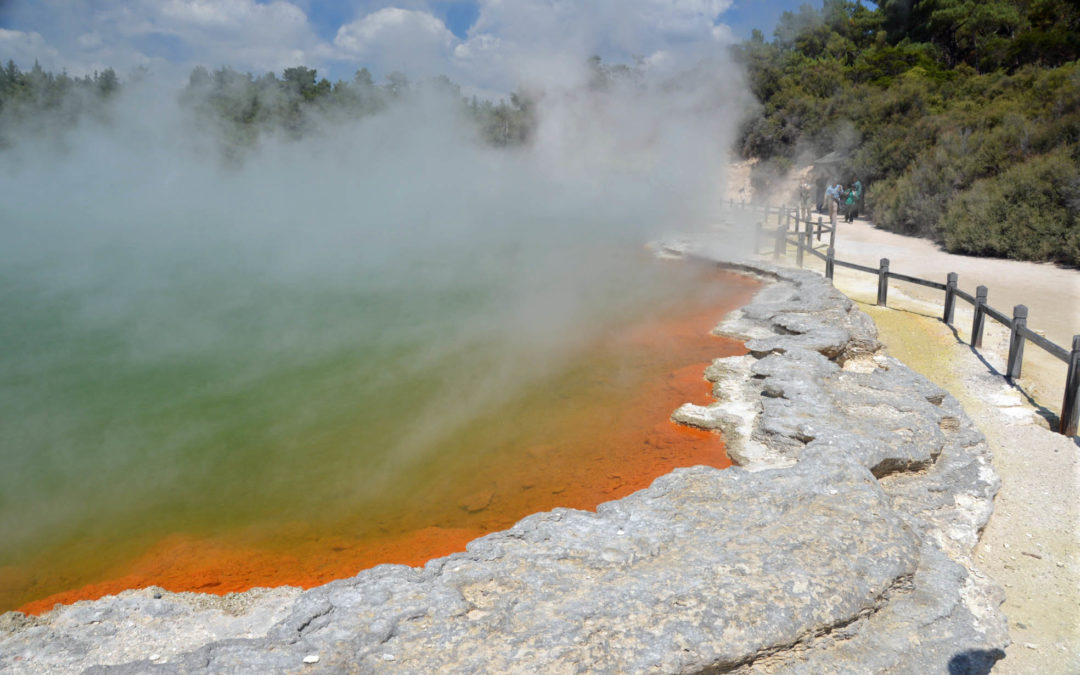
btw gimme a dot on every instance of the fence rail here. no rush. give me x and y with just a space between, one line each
803 237
853 266
1000 317
917 280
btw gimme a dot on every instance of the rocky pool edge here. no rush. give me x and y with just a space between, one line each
842 542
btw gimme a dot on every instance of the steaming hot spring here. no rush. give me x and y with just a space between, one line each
368 348
216 434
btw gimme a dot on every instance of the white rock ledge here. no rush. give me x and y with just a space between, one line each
841 544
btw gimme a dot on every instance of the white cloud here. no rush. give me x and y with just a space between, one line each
512 42
244 19
25 48
228 14
545 40
390 23
90 40
239 33
415 42
629 26
722 33
243 34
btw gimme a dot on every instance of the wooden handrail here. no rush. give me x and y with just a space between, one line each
1019 333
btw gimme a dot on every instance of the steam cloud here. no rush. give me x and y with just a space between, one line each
147 284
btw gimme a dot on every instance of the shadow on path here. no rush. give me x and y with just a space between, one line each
975 661
1052 418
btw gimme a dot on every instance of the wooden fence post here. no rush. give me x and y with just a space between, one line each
980 317
883 283
1070 406
950 297
757 237
798 246
832 234
780 245
830 256
1016 342
819 228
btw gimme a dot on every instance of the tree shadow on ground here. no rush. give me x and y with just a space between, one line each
1053 420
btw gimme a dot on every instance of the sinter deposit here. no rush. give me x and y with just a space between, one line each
841 544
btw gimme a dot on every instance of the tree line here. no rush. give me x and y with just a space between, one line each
34 100
296 103
243 108
961 116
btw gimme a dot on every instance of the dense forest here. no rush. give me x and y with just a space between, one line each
961 116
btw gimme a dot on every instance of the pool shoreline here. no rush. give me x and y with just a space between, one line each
184 562
844 538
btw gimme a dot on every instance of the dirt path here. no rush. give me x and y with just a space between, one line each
1032 543
1051 294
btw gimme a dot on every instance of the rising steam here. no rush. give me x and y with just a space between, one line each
176 323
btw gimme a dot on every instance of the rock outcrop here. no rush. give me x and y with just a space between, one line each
841 543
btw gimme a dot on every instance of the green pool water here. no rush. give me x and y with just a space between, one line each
208 394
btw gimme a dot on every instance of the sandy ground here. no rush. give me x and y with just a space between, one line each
1032 543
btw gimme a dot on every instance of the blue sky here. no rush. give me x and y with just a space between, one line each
487 45
458 15
746 15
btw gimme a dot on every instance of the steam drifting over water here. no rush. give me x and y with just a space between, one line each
191 344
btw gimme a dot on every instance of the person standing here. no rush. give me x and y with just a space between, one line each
858 197
832 196
849 205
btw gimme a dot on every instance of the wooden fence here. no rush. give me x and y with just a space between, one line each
798 229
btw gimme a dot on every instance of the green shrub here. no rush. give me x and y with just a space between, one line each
938 110
1030 212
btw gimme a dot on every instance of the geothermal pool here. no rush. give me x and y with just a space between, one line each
282 433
